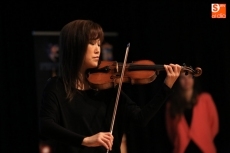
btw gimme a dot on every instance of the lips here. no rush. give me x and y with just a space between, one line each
96 57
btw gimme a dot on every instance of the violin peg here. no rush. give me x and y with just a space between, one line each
186 72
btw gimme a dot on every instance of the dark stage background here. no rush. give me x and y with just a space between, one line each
162 32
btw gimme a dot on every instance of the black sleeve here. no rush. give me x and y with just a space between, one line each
49 120
141 117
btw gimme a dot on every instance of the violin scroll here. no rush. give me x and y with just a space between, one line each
197 72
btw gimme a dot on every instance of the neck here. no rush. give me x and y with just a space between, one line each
82 83
188 94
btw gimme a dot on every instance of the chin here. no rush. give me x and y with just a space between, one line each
93 65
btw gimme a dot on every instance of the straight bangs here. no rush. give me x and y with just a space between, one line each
96 32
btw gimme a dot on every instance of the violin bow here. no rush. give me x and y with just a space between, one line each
119 90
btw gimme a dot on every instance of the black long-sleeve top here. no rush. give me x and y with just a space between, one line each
192 147
68 123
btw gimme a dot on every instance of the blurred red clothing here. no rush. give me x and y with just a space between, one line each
204 126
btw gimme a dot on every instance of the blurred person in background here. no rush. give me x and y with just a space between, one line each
107 51
53 55
191 118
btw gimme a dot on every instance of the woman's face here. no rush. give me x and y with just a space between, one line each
186 81
92 54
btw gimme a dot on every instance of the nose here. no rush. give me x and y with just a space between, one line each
97 50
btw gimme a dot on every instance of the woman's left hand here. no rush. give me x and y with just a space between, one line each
173 72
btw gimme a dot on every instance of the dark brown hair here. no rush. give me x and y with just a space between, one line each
178 101
74 38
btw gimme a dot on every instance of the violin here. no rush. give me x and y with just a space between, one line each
108 73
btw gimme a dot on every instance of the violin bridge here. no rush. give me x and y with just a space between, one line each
116 66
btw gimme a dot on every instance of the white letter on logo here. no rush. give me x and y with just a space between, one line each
215 7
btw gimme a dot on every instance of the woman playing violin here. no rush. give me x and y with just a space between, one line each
75 116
